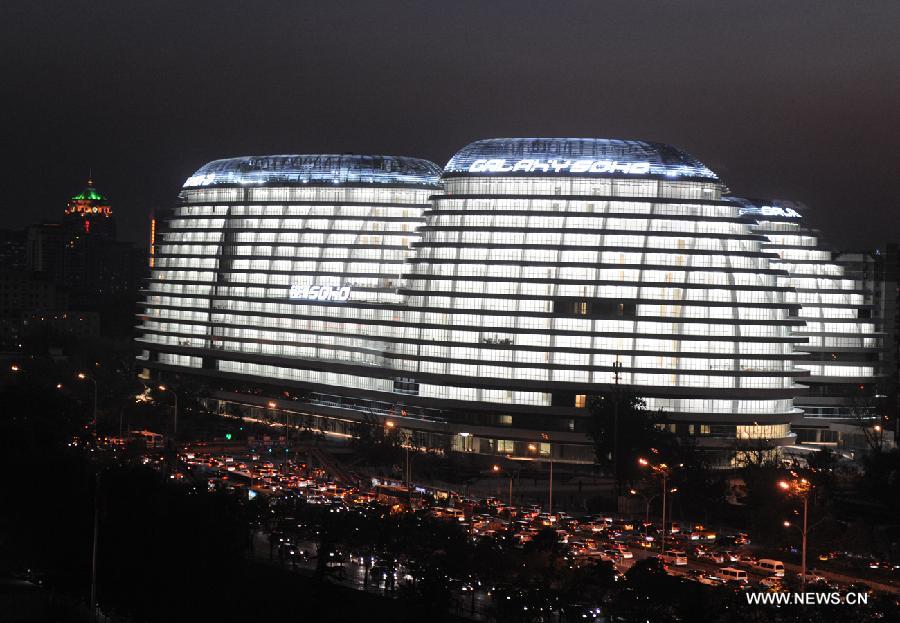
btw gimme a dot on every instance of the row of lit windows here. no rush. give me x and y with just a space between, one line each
718 405
583 205
486 221
554 257
821 283
336 194
834 369
572 239
613 187
643 379
319 223
843 327
305 329
846 298
310 376
681 295
588 273
349 325
571 273
818 269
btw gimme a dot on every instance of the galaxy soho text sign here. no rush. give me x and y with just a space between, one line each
779 211
563 165
319 293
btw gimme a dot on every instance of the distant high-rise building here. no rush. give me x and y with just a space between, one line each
90 213
81 257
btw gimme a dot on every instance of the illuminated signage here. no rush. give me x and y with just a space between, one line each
319 293
532 165
778 211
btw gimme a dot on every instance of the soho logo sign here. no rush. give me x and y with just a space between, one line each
319 293
498 165
776 211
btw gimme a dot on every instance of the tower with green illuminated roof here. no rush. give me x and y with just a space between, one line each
89 213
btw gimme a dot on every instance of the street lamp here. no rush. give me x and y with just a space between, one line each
801 488
497 469
163 388
663 471
85 377
14 368
647 500
534 448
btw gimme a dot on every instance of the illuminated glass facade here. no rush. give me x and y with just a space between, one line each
546 261
285 269
480 306
842 339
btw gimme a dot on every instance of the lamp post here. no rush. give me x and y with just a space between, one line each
94 547
85 377
647 500
801 488
497 469
534 448
163 388
407 442
663 471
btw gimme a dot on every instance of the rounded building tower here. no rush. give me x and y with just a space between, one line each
842 342
547 263
281 271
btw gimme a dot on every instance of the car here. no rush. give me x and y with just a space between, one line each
811 577
773 583
730 574
611 554
767 565
703 578
623 550
675 557
714 557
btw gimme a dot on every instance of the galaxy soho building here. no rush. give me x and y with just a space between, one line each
479 307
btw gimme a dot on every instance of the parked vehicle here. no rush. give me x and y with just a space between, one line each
767 565
732 574
675 557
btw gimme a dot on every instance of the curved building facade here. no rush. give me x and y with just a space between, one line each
481 309
282 270
842 342
548 262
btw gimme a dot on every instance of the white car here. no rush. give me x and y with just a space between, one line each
675 557
623 550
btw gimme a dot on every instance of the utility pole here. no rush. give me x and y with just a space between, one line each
663 550
94 548
550 505
803 548
616 366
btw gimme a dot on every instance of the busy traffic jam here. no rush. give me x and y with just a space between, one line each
691 551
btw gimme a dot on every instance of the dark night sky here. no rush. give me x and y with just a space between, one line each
797 99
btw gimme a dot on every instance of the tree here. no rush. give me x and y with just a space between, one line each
623 429
872 423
